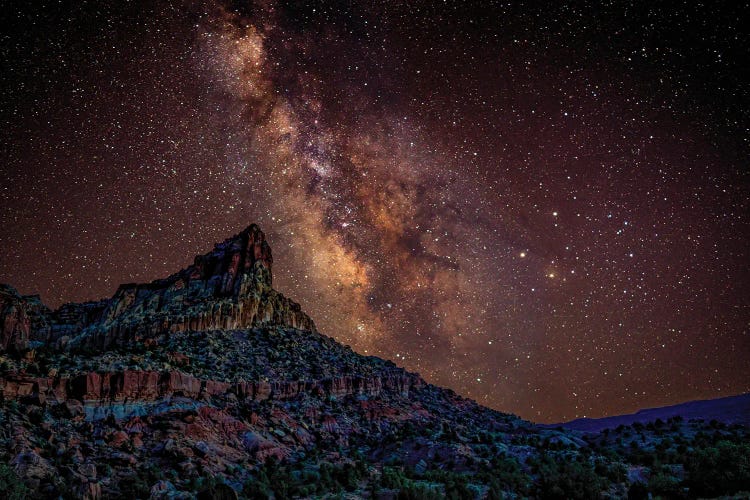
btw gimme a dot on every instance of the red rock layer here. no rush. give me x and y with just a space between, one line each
144 386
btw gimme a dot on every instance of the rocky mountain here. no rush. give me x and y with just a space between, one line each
228 288
211 384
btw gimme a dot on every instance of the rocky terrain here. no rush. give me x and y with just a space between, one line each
210 384
228 288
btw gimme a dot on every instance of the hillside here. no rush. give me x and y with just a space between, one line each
210 383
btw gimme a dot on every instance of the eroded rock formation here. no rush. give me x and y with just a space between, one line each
129 393
23 318
227 288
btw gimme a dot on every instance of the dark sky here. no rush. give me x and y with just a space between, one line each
541 206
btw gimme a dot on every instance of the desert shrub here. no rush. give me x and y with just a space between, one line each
723 469
257 488
11 486
12 406
285 481
665 485
134 487
416 491
103 469
459 489
455 485
347 476
615 472
202 483
507 473
560 478
496 491
393 478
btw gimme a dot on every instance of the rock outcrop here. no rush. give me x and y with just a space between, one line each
227 288
23 318
130 392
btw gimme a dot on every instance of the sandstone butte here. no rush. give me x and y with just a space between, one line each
228 288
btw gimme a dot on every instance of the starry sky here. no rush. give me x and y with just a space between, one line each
541 206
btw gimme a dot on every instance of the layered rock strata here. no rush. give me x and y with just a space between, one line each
227 288
128 393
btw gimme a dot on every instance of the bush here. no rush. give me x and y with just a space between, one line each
11 486
393 478
664 484
134 487
723 469
507 473
285 481
257 489
457 488
415 491
616 472
563 479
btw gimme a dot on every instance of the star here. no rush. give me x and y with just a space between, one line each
401 160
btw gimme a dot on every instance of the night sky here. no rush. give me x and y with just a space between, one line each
542 207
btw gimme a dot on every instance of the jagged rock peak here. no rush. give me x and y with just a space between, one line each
227 288
235 256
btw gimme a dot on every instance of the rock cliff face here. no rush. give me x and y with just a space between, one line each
22 319
228 288
131 393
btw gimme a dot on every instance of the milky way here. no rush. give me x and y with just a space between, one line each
545 209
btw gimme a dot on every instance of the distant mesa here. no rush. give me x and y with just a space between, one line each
729 410
227 288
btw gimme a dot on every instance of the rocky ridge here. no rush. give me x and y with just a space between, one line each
228 288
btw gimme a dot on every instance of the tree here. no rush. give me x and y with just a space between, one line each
723 469
11 486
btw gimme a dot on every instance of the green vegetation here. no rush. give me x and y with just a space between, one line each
338 441
561 477
285 481
11 486
682 460
720 469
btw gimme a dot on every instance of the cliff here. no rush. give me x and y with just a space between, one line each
227 288
21 319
